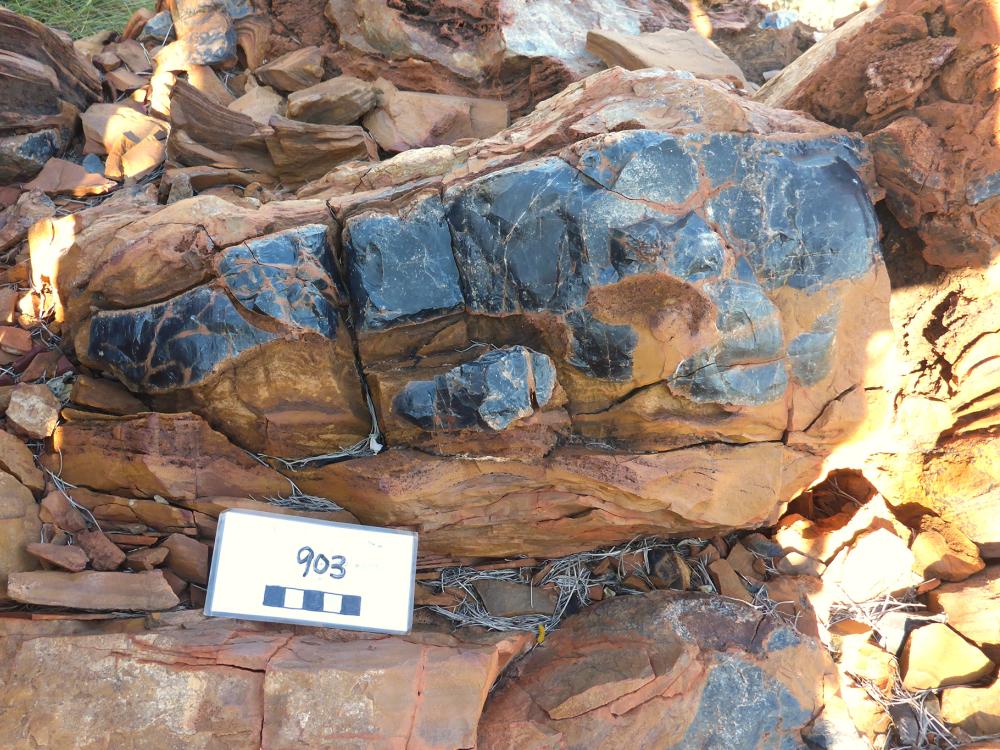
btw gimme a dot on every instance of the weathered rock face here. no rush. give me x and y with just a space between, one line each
192 683
522 52
919 79
663 670
622 317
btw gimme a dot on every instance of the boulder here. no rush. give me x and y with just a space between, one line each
181 681
604 295
894 72
19 527
408 119
942 551
665 669
974 709
669 49
876 564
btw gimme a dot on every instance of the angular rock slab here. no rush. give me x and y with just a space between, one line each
187 682
663 670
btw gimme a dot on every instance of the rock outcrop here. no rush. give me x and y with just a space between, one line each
629 320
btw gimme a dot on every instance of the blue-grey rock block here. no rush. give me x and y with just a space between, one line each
490 392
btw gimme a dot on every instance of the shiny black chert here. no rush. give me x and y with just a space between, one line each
490 392
401 268
287 276
283 278
735 215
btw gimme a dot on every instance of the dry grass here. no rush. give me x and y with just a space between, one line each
79 18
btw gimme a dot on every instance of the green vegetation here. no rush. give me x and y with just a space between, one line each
79 18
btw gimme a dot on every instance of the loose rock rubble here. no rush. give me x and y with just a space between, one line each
668 326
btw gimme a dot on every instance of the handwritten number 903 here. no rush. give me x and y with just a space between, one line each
320 564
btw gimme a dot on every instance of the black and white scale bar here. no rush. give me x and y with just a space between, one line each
312 601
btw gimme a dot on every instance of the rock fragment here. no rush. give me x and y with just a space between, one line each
64 556
935 656
974 709
669 49
408 119
59 511
187 558
103 553
18 460
146 558
131 592
972 605
33 411
342 100
293 71
512 599
19 527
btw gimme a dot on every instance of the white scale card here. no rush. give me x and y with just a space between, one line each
308 572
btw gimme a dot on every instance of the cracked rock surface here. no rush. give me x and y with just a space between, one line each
592 319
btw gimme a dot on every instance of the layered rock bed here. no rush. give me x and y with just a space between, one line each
667 328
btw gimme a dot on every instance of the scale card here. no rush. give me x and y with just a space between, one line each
307 572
